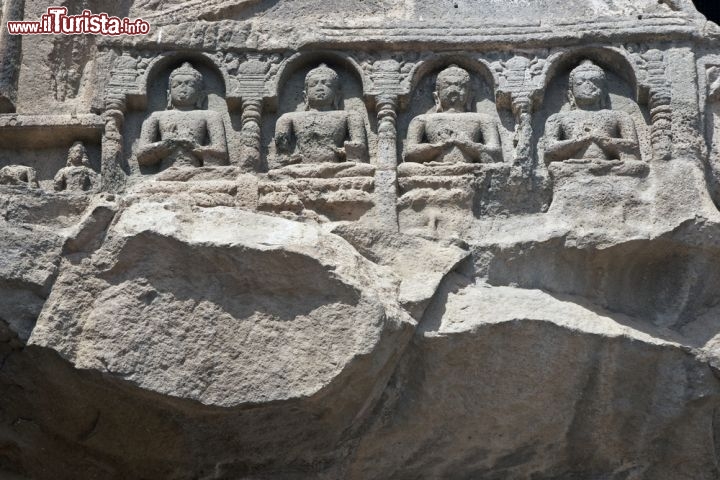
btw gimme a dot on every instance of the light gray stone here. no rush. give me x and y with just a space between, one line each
379 239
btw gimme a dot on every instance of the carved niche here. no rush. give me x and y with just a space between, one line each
185 131
318 145
593 132
454 146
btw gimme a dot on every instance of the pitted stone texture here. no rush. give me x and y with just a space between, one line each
273 309
539 386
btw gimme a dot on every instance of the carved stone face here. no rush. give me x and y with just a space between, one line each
76 154
588 88
453 88
184 90
321 90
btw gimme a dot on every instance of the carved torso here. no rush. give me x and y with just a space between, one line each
576 124
175 124
319 135
440 128
77 178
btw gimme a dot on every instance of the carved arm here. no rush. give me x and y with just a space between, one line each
416 150
215 152
557 150
487 152
356 145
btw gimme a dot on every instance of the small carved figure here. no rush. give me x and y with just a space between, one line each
184 135
590 131
19 175
77 174
453 134
322 133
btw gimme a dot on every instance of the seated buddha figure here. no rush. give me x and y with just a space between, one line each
590 131
321 133
184 135
452 134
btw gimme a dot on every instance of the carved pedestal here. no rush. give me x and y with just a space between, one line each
445 199
324 192
592 193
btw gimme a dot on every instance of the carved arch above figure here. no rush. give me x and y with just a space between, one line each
301 60
619 61
467 61
165 61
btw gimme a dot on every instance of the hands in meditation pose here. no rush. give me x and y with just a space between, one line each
590 131
453 134
321 133
183 135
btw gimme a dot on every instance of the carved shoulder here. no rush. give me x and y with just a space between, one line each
213 114
554 118
485 118
419 120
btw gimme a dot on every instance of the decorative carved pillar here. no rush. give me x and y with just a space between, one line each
517 91
122 81
10 55
522 110
111 172
250 133
659 103
251 77
386 86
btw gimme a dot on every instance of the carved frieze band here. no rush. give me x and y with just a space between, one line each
252 81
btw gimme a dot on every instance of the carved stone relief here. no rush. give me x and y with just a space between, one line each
453 134
184 135
456 152
77 175
711 73
362 240
70 58
589 132
19 175
186 122
595 135
319 157
322 133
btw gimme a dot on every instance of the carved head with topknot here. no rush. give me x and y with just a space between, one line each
588 86
452 90
322 88
186 89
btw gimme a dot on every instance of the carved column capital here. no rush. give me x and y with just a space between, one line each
123 79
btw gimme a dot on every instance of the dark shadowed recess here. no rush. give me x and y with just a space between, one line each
709 8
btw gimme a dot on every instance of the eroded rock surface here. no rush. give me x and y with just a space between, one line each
284 240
